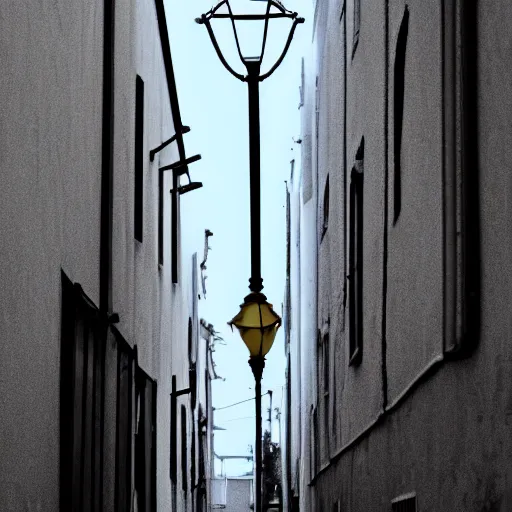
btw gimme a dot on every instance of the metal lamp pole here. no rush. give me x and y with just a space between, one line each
257 363
253 83
255 299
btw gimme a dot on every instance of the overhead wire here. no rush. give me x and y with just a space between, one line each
237 403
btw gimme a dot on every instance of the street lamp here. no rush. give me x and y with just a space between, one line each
257 322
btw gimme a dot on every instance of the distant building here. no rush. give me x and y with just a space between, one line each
239 494
95 297
397 310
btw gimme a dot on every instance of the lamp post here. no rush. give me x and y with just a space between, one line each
257 322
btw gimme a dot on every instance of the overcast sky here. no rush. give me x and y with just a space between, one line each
214 104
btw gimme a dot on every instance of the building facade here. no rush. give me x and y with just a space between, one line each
97 299
398 339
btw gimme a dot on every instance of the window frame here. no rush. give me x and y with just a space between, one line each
138 210
184 454
356 219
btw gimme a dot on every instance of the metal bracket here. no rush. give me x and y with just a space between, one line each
181 164
192 185
153 152
180 392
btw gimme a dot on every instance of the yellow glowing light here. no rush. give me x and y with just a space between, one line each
257 323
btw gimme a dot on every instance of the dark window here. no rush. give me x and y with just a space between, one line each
356 259
405 503
139 160
81 414
161 218
191 354
325 215
193 457
357 25
174 229
184 475
173 441
145 443
325 351
398 111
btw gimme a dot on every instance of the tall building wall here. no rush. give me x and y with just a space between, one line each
51 115
410 351
85 384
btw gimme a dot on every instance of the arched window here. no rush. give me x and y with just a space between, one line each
398 112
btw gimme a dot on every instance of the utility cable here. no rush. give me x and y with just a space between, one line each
241 418
237 403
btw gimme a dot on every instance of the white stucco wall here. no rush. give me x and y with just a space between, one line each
50 147
150 307
448 440
415 255
308 284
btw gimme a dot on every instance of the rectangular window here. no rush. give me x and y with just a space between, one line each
161 217
139 158
145 443
173 456
325 352
356 261
174 230
405 503
193 458
184 473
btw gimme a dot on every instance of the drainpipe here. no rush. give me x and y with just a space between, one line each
107 163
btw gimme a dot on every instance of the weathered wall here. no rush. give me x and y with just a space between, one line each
50 147
149 306
415 244
444 434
